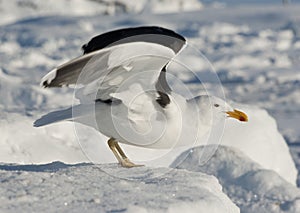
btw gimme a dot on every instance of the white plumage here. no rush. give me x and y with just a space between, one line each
123 92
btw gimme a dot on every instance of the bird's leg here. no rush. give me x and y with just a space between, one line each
119 154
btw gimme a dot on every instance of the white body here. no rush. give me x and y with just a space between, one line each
181 123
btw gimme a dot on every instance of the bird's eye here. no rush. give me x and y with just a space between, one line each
216 105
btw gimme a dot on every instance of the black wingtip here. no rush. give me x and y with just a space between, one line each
44 84
118 36
84 48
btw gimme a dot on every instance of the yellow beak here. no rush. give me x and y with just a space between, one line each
237 115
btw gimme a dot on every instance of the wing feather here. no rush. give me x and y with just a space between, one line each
125 57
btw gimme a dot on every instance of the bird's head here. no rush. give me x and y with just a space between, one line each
219 108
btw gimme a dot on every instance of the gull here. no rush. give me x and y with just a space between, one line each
122 86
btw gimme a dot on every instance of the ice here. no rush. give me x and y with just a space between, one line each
169 6
260 140
23 145
251 187
85 187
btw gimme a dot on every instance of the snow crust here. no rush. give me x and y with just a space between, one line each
248 185
260 140
22 144
35 8
85 187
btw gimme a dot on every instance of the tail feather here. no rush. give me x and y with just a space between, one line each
54 117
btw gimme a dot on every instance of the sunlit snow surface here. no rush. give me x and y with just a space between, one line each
85 187
252 188
254 49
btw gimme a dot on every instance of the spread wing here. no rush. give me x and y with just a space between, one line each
115 62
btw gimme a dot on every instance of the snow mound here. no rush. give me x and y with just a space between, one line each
260 140
27 9
85 187
248 185
23 144
171 6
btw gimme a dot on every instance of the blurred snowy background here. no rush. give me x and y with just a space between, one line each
254 47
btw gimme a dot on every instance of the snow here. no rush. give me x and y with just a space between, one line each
85 187
35 8
266 146
22 144
255 52
248 185
169 6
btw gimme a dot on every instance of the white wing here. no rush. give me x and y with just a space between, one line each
109 71
114 61
131 71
